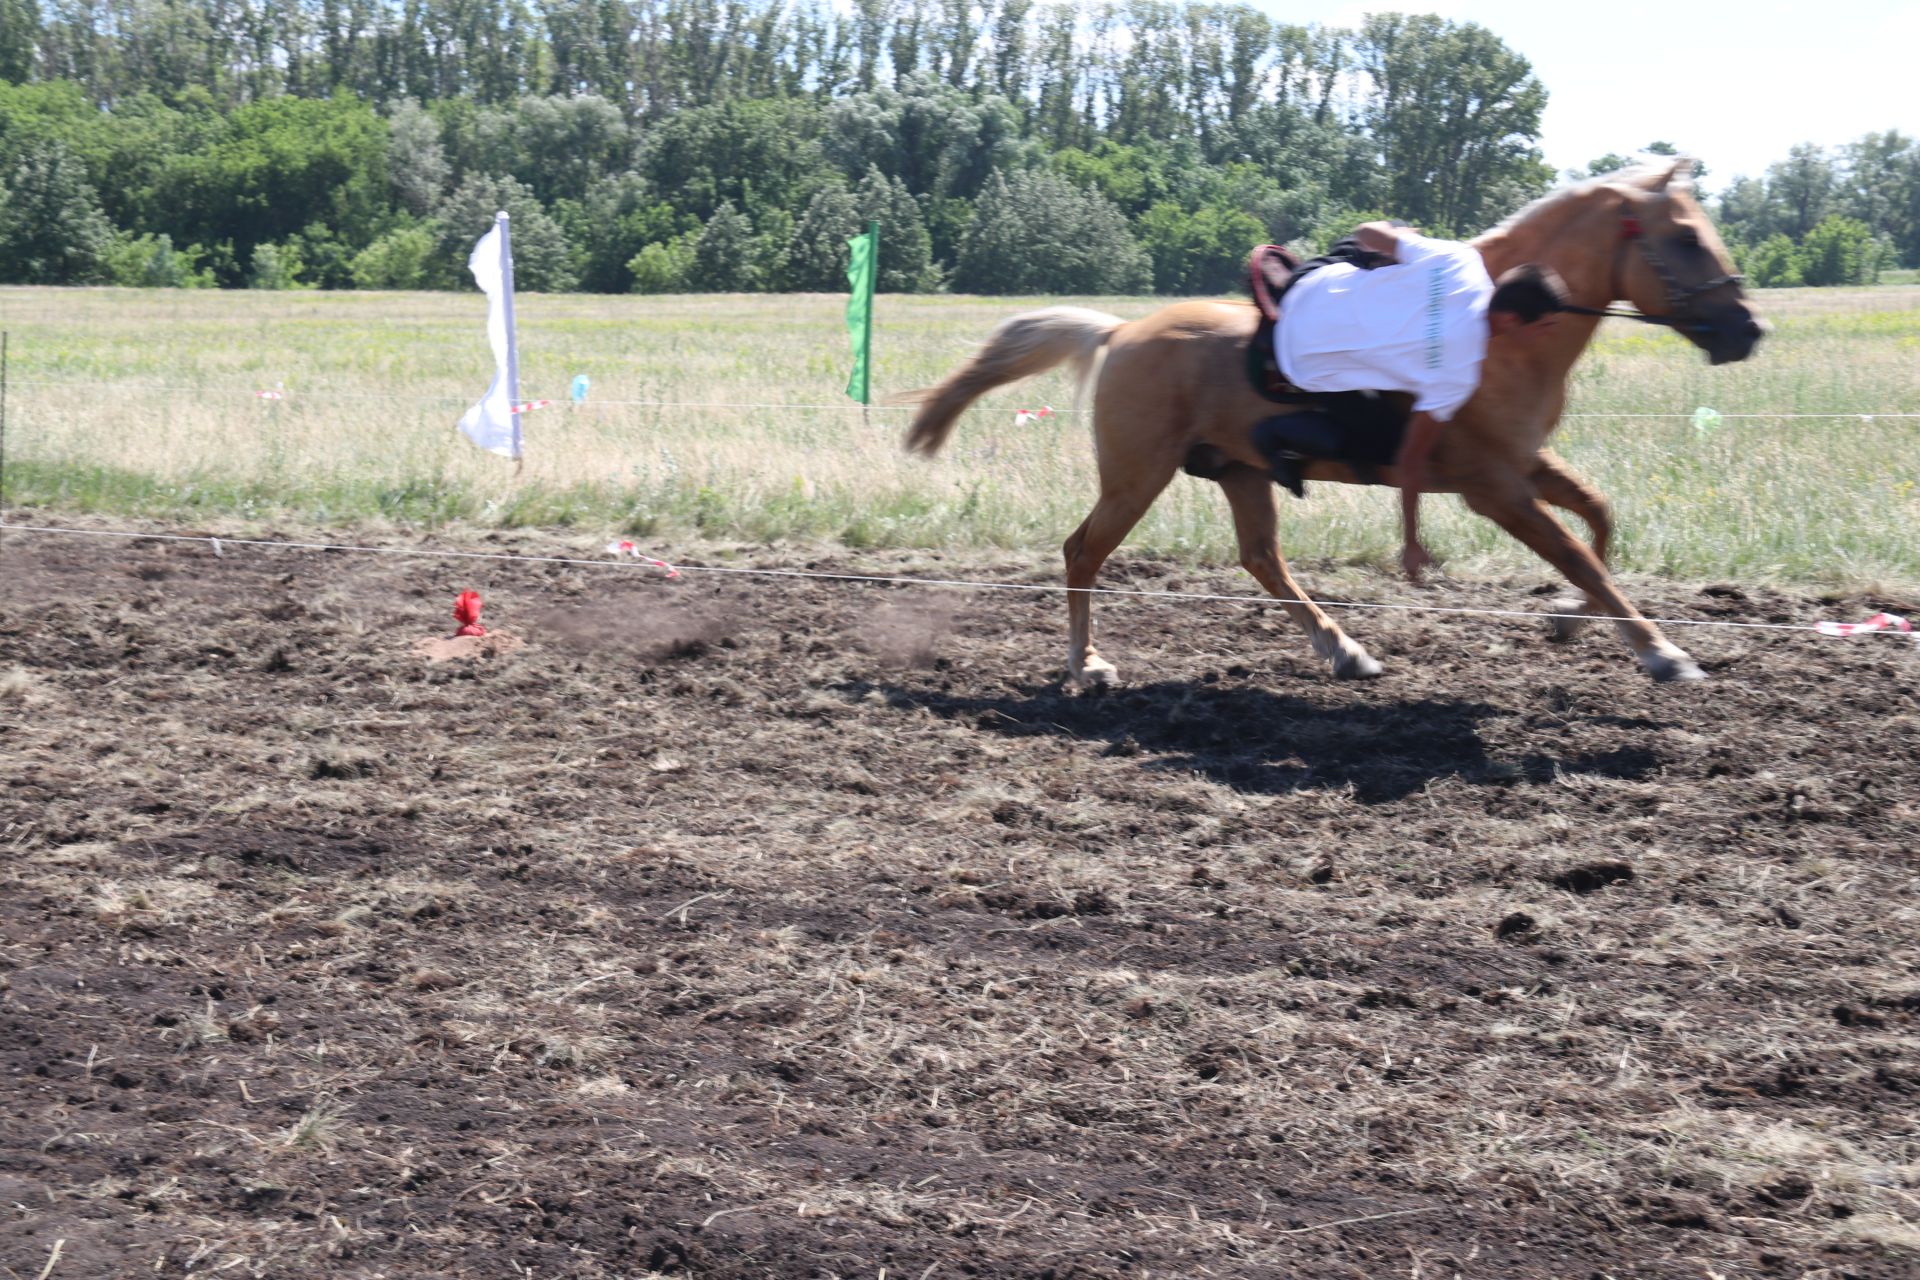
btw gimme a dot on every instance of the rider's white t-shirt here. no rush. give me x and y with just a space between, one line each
1418 325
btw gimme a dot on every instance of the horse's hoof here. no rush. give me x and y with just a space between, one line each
1670 667
1357 665
1562 626
1096 673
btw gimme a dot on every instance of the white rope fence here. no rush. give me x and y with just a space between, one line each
321 393
218 545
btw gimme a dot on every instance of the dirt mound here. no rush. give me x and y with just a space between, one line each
495 644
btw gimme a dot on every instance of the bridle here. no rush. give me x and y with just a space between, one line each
1679 296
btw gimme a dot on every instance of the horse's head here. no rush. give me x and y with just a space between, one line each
1675 266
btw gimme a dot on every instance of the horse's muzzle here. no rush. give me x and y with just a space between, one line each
1732 335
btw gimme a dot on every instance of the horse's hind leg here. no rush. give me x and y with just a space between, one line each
1251 494
1122 503
1560 485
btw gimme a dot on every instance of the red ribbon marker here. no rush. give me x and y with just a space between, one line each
628 549
466 611
1878 622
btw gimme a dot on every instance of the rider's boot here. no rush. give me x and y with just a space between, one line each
1289 441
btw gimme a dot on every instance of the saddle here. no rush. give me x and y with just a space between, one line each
1366 427
1271 271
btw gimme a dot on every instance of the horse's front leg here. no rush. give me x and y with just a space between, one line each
1560 485
1250 492
1511 502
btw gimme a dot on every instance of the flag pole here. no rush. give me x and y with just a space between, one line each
3 428
866 349
502 221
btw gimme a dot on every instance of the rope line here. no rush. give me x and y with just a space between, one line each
158 389
900 580
323 393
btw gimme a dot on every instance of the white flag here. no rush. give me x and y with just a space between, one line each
490 423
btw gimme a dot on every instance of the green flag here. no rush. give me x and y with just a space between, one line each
862 266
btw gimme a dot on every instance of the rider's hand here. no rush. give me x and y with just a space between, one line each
1414 559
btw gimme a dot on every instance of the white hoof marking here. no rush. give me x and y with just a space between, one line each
1356 664
1096 672
1671 664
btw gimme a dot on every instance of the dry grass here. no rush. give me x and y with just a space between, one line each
143 402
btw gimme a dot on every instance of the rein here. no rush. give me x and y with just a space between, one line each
1678 295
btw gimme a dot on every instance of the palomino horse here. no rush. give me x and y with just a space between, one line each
1174 382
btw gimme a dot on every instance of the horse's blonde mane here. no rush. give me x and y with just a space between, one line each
1637 174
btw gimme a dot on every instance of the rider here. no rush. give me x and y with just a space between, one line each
1392 310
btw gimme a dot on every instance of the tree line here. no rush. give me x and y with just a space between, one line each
1006 146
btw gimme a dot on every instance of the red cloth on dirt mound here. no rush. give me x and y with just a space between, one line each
466 612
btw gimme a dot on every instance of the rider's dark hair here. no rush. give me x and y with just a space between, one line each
1529 291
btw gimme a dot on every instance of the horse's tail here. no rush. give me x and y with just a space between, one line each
1027 344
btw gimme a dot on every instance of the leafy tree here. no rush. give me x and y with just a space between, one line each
1881 187
19 34
151 262
1840 251
1198 251
1801 188
417 166
1746 211
906 250
276 266
51 228
663 267
228 126
274 168
754 155
1132 175
1456 115
618 217
542 256
1775 263
326 258
557 145
564 144
1033 233
936 138
815 260
400 259
723 254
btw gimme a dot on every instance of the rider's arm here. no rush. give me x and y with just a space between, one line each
1423 429
1382 238
1398 243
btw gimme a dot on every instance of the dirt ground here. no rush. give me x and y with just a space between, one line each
769 927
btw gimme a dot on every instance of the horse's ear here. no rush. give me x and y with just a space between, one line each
1679 177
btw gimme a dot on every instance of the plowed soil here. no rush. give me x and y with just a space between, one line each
773 927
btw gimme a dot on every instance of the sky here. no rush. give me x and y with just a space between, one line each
1734 84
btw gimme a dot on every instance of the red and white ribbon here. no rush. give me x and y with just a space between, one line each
1878 622
527 406
1023 416
270 395
628 549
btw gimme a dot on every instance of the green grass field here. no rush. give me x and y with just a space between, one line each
143 403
